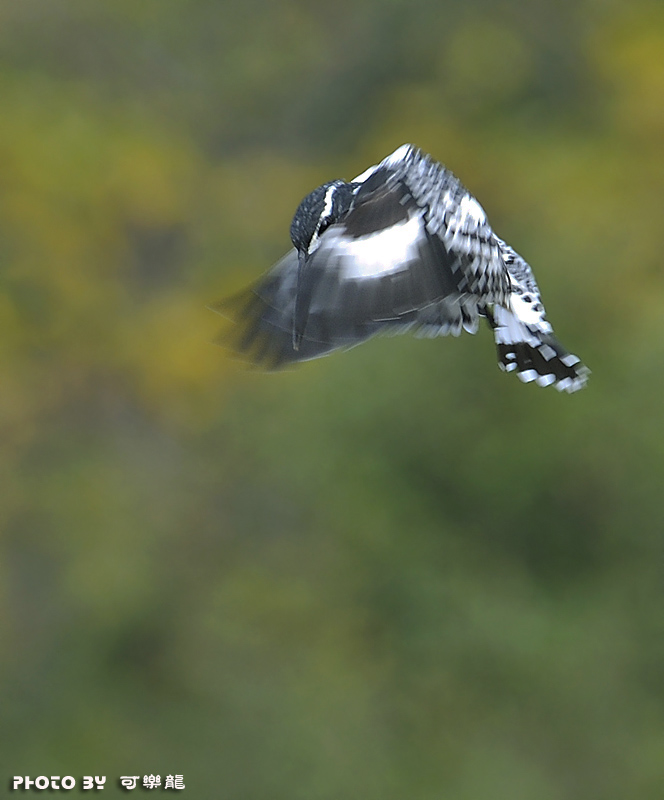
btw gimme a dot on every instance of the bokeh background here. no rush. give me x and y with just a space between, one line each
393 573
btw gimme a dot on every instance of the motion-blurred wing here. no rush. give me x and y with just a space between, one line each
263 321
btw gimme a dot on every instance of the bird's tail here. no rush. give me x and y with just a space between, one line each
534 353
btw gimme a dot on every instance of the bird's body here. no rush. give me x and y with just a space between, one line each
404 246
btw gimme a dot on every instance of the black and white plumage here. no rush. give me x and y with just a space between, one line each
404 246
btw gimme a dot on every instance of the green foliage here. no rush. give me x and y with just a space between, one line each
392 573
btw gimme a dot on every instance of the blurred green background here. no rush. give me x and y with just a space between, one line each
392 573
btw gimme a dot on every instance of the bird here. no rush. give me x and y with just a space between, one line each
404 246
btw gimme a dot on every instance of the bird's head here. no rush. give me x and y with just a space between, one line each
324 206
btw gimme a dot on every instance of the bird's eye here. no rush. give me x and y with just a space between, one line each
527 298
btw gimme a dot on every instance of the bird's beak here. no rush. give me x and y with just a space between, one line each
301 307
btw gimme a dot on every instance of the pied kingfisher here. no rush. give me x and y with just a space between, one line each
404 246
